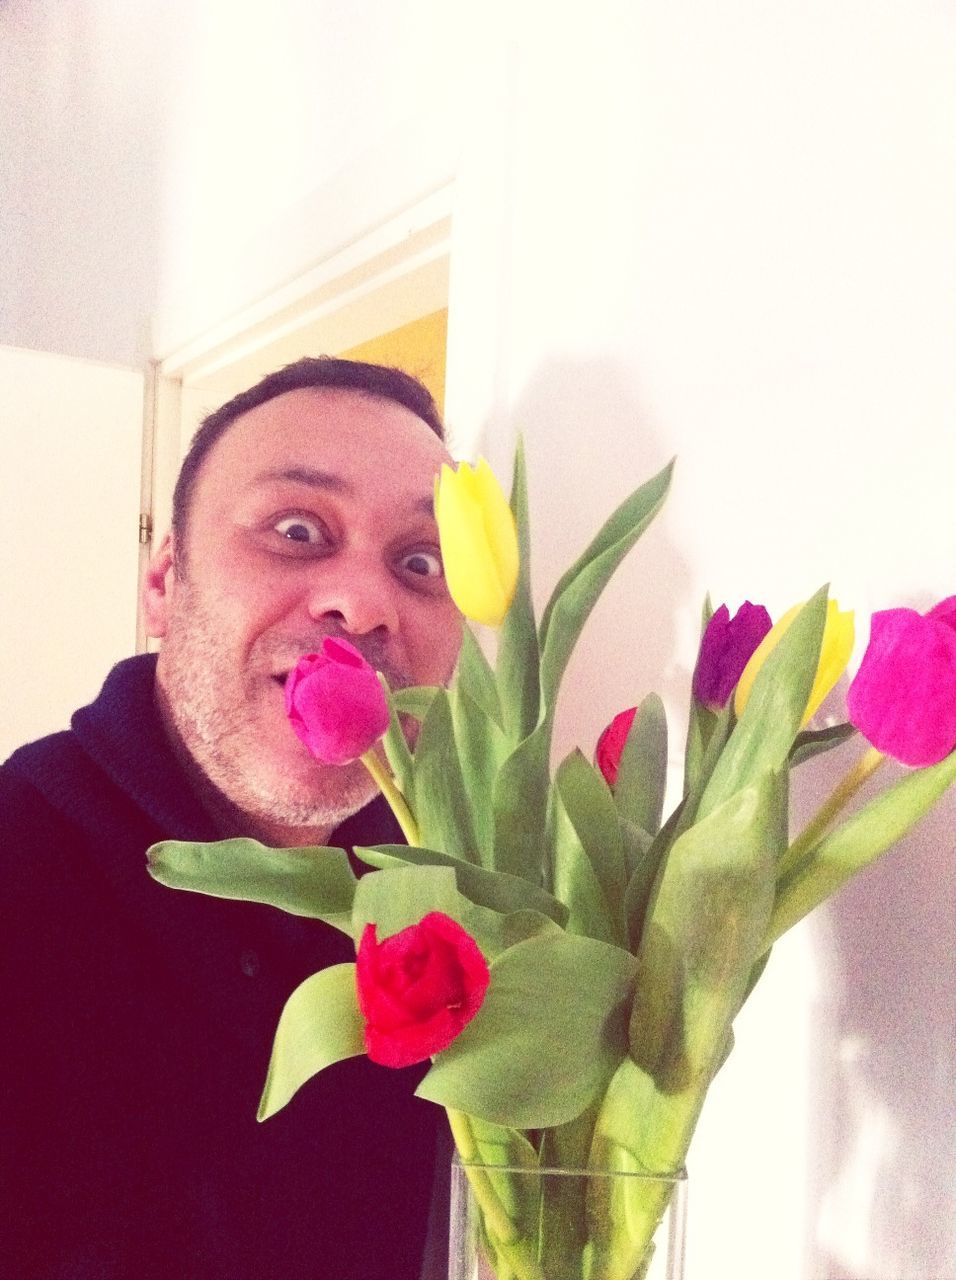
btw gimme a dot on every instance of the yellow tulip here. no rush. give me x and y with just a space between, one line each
835 653
479 541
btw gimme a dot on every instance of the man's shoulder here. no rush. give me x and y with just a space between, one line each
37 780
27 775
34 758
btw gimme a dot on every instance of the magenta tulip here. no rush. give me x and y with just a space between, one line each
727 646
903 699
335 703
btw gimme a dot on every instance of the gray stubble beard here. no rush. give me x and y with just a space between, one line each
220 739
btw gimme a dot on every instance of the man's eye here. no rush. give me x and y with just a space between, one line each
300 529
426 564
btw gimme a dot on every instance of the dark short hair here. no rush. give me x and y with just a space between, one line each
311 371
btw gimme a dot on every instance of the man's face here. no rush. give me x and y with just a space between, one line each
311 516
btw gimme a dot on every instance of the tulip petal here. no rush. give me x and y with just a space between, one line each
500 528
835 650
903 699
944 612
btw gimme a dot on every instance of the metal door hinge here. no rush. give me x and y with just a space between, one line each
145 528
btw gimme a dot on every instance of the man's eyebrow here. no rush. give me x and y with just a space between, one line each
310 476
330 482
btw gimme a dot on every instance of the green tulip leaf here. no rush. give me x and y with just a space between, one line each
636 843
642 769
858 841
441 800
397 751
396 898
700 719
764 734
697 955
549 1034
625 1211
814 742
575 882
518 656
510 1204
521 806
640 891
414 701
474 677
482 748
579 588
566 1228
493 889
712 729
319 1025
704 930
317 883
495 933
589 850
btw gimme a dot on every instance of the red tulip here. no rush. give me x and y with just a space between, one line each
418 989
903 699
610 745
335 702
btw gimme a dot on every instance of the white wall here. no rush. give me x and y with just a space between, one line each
730 238
84 93
721 231
70 440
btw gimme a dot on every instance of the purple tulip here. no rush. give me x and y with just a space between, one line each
726 648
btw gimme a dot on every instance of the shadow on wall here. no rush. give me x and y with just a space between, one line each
882 1204
590 443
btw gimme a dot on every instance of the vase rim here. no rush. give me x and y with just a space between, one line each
643 1175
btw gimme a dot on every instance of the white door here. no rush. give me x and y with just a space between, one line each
70 461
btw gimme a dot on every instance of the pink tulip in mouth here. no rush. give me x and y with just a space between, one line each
335 702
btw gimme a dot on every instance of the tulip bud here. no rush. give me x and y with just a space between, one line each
479 542
835 650
335 703
727 645
610 745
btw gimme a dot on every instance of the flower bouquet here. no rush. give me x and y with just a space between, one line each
570 960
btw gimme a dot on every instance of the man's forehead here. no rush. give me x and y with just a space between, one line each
331 439
324 481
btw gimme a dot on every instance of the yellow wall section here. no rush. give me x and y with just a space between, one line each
418 348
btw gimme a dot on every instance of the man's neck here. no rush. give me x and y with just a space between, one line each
231 821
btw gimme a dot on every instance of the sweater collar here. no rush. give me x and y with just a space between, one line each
123 733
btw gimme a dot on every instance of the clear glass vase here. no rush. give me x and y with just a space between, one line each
565 1224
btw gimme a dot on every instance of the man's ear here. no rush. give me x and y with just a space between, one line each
158 588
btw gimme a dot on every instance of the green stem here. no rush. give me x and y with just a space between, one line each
816 828
389 789
514 1249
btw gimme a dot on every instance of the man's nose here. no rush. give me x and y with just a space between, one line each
356 597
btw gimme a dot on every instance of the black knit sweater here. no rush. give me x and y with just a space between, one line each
137 1024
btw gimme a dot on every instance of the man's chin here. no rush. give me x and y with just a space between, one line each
312 794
